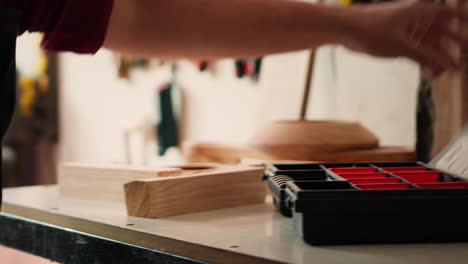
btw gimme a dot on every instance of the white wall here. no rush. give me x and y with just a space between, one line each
379 93
96 106
26 54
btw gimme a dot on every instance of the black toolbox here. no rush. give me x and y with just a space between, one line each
362 203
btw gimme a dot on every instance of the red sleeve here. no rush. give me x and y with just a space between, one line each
69 25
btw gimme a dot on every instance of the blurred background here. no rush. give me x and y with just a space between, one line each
109 108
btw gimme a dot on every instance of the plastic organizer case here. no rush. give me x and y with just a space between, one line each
371 203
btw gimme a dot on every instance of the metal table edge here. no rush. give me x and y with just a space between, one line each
195 253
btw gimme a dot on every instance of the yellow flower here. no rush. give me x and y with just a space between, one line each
27 95
43 84
346 2
42 63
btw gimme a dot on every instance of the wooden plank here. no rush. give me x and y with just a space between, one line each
235 153
464 73
103 182
450 93
224 187
447 94
383 154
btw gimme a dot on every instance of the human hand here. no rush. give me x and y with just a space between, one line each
411 28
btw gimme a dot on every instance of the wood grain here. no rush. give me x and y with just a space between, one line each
223 187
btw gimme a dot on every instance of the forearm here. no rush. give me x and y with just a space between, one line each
225 28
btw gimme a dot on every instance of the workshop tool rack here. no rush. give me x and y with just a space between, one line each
362 203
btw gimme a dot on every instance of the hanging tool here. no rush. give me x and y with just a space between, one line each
257 67
240 68
126 64
167 131
249 67
202 65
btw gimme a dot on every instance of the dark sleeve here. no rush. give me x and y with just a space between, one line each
81 27
68 25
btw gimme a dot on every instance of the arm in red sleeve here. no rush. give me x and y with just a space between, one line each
68 25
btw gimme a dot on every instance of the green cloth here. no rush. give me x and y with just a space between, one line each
167 126
425 119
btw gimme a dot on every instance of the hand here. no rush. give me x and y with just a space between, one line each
412 28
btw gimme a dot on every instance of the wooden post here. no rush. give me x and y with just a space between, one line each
451 100
308 82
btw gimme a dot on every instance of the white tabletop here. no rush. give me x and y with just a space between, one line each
251 231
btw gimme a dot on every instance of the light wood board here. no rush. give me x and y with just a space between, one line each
235 153
164 191
450 93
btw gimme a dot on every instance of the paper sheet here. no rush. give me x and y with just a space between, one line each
454 157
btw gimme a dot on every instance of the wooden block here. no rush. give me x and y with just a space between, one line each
95 182
224 187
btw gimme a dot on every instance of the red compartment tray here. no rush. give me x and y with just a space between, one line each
443 185
374 180
420 177
364 175
354 170
404 169
384 186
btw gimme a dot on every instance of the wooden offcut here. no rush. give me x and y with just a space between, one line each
223 187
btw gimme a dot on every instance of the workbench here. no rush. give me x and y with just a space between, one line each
37 221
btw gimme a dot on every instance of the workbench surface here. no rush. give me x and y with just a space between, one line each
249 234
